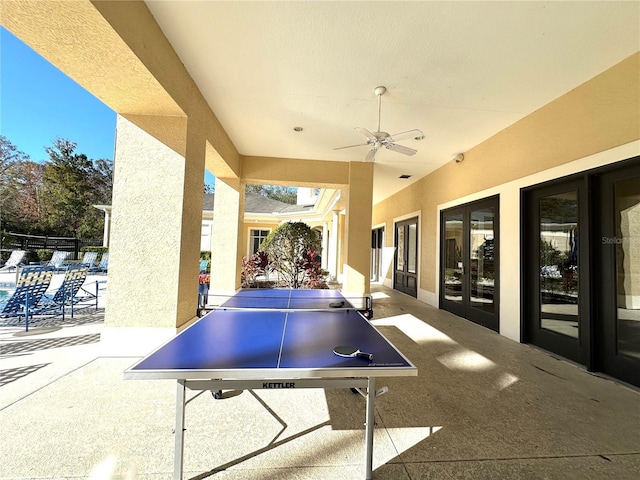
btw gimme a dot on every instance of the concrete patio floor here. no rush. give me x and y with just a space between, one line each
482 407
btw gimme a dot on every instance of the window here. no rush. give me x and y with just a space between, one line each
255 239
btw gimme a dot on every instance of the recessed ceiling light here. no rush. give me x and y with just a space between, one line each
298 129
405 176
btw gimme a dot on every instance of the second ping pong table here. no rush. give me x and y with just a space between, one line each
273 338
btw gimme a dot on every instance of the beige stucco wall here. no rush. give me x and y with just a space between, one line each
228 234
544 146
357 229
155 234
601 114
294 172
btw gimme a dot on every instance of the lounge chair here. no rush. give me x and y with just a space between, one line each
13 261
89 259
57 260
67 294
103 266
32 283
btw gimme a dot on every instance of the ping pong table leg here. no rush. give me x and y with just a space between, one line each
179 433
369 426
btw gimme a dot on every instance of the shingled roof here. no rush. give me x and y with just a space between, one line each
260 204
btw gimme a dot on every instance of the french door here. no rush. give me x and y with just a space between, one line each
469 276
618 274
581 268
377 242
556 273
405 278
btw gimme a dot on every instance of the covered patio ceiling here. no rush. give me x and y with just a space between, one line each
458 71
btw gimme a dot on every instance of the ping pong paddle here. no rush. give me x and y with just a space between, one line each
349 351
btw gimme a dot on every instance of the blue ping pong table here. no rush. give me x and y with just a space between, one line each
274 338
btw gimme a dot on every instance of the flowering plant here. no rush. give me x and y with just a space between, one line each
204 278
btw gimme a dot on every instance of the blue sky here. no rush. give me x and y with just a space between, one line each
39 103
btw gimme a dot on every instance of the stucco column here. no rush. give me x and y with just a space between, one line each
332 255
226 244
106 232
357 242
325 245
155 228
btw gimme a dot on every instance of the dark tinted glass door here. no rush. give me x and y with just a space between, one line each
453 289
469 275
618 270
405 277
377 242
554 296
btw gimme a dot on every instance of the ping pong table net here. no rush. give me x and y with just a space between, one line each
284 301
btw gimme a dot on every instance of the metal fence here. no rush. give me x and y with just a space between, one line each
20 241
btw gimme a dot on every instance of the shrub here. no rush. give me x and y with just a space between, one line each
44 254
256 265
286 247
93 248
314 275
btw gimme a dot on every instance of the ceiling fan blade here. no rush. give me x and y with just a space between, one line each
409 133
351 146
401 149
370 136
371 155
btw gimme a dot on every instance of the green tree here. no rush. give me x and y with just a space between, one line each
72 185
102 180
10 158
282 194
28 213
288 249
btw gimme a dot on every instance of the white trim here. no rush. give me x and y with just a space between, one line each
249 228
430 298
417 213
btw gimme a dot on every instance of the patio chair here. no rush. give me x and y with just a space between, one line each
103 266
66 295
89 259
32 283
13 261
57 260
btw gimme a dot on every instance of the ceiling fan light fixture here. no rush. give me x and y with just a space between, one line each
378 139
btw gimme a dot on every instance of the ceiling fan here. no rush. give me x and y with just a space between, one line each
381 139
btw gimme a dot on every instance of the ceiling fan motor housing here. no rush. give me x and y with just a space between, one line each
379 90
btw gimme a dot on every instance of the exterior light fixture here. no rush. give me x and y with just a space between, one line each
298 129
459 158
